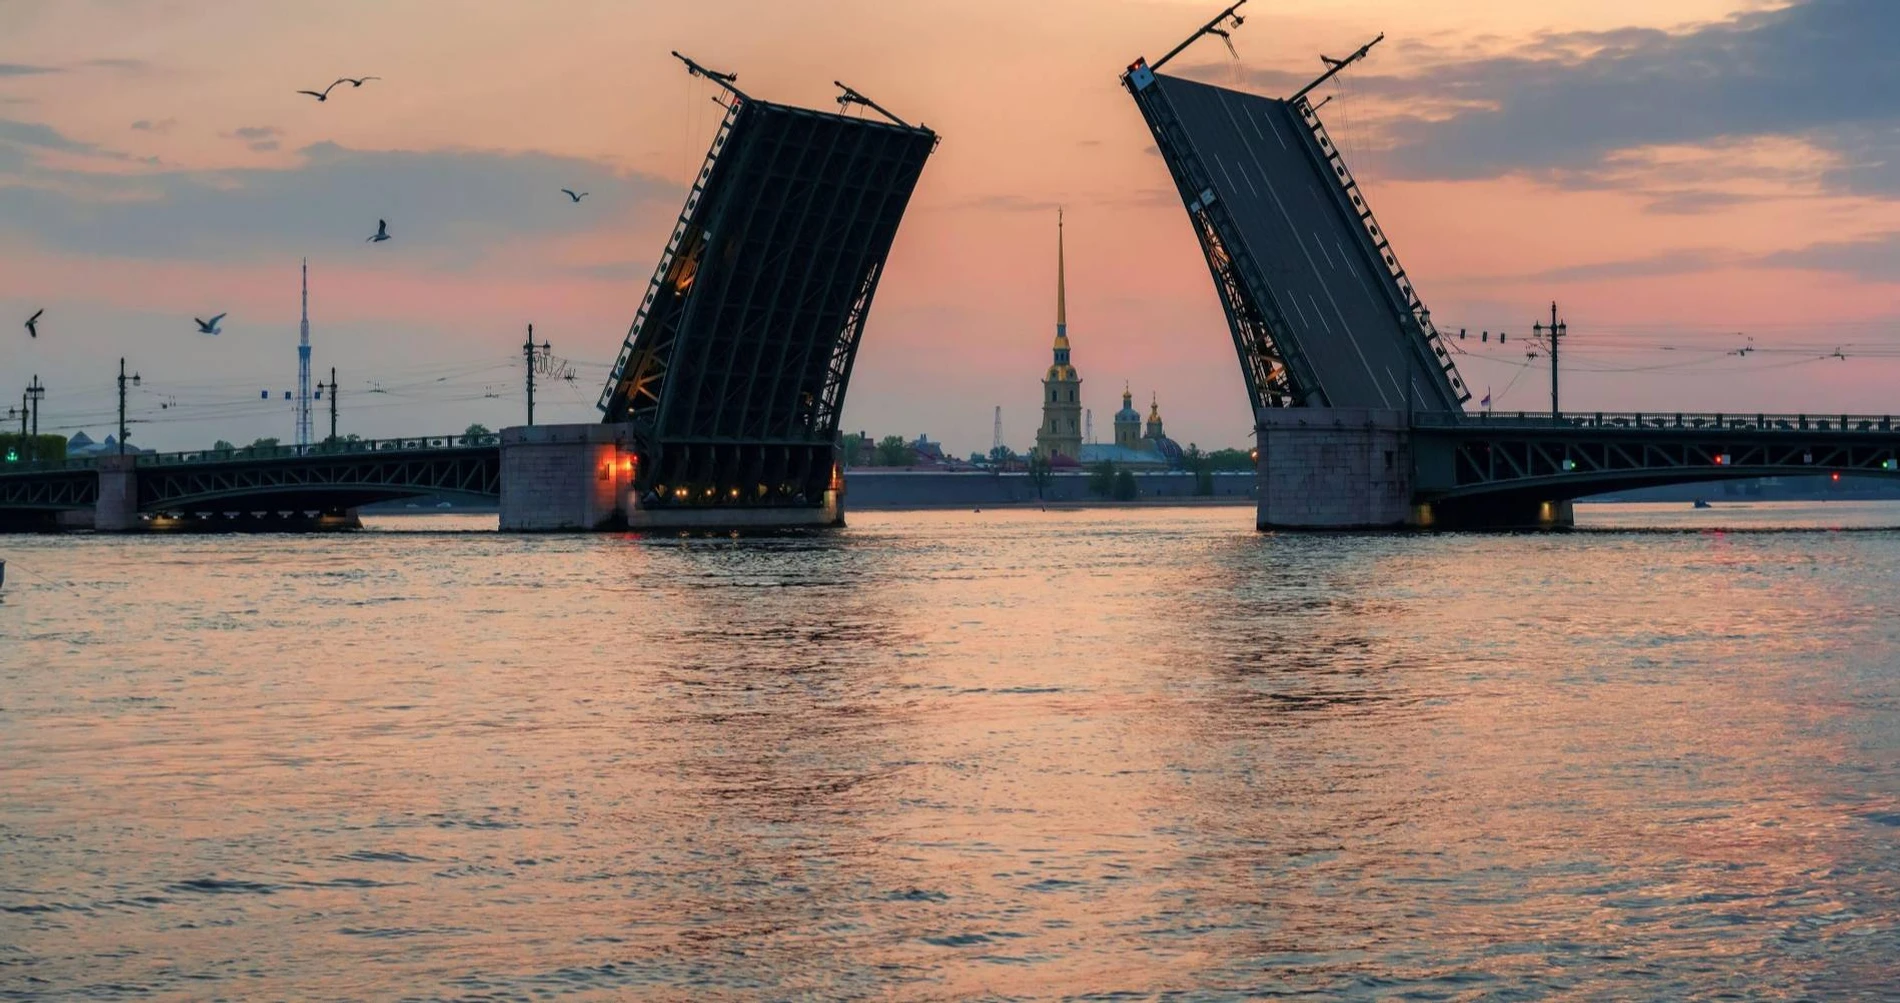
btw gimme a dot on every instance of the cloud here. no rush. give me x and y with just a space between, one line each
161 127
1680 262
446 208
1821 70
1873 259
261 138
21 70
123 65
44 137
1004 203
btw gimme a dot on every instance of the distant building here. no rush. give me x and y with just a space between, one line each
81 444
927 453
1059 439
1060 435
1135 447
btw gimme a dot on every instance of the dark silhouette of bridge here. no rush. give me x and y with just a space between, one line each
726 396
733 375
1324 318
258 487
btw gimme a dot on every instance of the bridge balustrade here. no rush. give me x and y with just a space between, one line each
1839 423
241 454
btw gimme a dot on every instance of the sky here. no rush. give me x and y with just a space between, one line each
1687 179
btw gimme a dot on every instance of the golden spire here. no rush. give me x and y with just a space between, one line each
1062 298
1154 407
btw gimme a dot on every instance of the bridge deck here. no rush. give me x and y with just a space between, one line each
734 372
1290 238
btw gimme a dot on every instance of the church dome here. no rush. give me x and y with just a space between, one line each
1128 412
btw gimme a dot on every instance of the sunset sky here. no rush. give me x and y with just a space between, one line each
1682 176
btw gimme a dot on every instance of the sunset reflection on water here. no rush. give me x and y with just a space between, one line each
1030 755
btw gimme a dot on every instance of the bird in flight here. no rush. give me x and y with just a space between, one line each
209 326
572 195
382 232
33 323
355 82
324 94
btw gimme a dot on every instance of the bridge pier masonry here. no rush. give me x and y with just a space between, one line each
117 508
1347 469
582 478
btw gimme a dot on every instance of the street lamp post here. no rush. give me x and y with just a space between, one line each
1556 331
122 379
534 357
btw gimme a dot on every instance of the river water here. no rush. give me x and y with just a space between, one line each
1027 755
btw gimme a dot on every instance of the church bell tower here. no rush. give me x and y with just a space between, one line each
1061 431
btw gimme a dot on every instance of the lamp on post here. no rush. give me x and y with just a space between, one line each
122 379
535 357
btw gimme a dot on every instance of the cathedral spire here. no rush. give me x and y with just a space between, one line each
1062 296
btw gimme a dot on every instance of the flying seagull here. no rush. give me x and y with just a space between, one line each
355 82
382 232
33 323
324 95
209 326
575 197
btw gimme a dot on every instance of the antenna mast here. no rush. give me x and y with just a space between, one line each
303 364
727 80
996 437
1210 28
1333 66
851 97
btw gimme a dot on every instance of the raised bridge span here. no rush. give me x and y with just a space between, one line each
1359 405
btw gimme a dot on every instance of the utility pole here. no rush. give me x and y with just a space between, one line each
1556 331
331 389
528 352
35 392
135 382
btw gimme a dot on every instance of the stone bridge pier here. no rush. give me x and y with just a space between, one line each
1343 469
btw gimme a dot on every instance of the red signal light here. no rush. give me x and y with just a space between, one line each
1837 475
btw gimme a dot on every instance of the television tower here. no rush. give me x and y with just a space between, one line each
303 363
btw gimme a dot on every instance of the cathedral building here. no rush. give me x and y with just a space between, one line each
1059 438
1061 433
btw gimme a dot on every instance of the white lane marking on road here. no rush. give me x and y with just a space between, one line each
1321 244
1276 131
1218 162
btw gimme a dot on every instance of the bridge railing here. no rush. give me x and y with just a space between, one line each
241 454
1680 420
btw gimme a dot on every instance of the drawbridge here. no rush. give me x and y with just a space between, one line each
733 374
1321 311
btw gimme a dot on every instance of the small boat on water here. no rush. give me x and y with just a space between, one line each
1702 503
